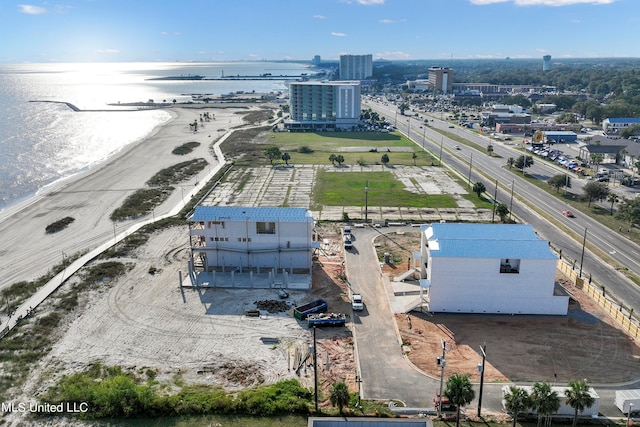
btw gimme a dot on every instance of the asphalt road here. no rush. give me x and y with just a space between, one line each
563 233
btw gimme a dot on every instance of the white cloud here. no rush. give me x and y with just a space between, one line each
370 2
31 10
108 51
541 2
319 16
393 55
391 21
335 34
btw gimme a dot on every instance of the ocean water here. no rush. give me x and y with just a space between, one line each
44 142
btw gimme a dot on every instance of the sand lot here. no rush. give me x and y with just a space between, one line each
147 321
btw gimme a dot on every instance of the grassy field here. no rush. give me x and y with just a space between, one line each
246 147
347 189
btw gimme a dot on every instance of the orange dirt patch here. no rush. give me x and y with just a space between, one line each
584 344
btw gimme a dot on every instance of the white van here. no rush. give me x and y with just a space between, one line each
346 239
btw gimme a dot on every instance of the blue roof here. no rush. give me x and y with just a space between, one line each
462 240
624 120
243 213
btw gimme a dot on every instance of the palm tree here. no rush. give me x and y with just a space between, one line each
502 210
286 157
384 159
332 159
459 392
578 397
545 401
510 162
613 198
414 156
340 159
516 401
339 395
490 150
479 188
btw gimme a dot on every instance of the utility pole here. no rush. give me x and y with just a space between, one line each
483 349
584 242
442 362
440 157
511 202
470 166
315 368
495 202
359 381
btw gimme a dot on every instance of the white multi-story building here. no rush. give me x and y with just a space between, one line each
317 105
612 126
489 268
356 67
251 240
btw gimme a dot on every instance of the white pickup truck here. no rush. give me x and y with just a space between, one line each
356 302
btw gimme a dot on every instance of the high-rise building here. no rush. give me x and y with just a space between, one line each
441 79
546 63
315 105
356 67
316 60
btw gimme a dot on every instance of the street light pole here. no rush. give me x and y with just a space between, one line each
629 413
366 202
440 157
483 349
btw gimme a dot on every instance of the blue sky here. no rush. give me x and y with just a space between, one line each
227 30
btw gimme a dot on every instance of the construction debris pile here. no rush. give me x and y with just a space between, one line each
272 306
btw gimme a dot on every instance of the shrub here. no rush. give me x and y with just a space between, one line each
59 225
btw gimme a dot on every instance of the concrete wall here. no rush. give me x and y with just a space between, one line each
475 285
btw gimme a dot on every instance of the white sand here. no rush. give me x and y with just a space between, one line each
27 252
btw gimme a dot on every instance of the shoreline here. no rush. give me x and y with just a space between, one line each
91 195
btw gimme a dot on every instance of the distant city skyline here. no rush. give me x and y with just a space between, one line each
245 30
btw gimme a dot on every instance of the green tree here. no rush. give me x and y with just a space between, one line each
384 159
567 118
286 157
613 198
459 392
272 153
630 131
502 210
595 159
523 162
516 401
490 150
403 107
339 395
510 162
629 210
479 188
414 156
332 159
578 397
560 180
340 159
595 191
545 401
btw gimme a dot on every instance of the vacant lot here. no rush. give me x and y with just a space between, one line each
584 344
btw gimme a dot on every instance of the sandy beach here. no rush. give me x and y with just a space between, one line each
27 251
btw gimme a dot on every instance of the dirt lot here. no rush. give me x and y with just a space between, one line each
585 344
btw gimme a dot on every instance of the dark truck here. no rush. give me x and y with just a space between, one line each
317 306
326 319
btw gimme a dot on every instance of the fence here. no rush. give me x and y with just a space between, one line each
617 310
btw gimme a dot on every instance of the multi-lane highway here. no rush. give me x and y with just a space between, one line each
606 251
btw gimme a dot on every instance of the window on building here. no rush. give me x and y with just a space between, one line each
265 227
510 265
